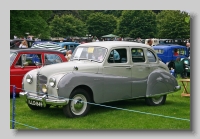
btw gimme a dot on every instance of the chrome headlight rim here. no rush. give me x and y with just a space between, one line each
52 82
29 78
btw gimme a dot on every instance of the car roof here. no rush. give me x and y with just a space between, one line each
34 50
165 46
110 44
64 43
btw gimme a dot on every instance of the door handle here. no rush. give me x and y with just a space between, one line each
128 67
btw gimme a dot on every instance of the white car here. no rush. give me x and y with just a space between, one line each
100 72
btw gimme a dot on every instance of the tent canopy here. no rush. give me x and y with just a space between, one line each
110 36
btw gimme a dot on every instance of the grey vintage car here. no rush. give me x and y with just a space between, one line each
100 72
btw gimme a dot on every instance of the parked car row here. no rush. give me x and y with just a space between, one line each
14 44
99 72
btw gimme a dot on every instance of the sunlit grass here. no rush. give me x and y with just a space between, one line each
136 115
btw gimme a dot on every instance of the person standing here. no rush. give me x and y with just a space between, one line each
188 48
150 42
68 55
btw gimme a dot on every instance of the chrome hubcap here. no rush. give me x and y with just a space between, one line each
78 104
157 99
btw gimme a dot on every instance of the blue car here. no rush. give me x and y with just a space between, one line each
68 45
170 52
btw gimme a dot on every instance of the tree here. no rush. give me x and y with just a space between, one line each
171 24
67 25
137 23
28 21
100 24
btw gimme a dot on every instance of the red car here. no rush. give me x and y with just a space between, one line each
24 60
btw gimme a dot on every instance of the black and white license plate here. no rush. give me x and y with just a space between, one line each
35 103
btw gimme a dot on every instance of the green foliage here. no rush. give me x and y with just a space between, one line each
23 21
125 23
67 25
171 24
137 23
100 24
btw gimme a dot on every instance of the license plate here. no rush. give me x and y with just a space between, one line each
35 103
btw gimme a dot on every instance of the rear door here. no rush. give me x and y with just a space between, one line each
140 71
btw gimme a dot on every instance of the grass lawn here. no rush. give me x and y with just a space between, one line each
134 115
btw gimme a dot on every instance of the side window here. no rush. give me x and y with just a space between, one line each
151 57
31 60
52 59
118 56
137 55
71 47
159 51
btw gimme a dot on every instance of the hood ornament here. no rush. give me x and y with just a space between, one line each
75 68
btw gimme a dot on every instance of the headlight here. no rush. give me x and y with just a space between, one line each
44 88
29 79
52 82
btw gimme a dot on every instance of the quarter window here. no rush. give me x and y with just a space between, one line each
151 57
137 55
52 59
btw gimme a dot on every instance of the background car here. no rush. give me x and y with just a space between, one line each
16 42
95 75
49 45
68 45
166 52
24 60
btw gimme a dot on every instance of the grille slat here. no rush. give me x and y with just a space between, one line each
41 79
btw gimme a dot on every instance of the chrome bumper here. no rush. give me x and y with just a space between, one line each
44 99
177 88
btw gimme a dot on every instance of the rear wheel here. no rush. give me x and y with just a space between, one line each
77 105
155 101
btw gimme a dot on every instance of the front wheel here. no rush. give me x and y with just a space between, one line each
155 101
77 105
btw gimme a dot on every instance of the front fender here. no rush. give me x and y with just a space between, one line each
76 79
160 82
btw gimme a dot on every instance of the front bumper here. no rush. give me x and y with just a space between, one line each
44 98
177 88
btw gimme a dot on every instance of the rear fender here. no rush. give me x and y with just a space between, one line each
160 82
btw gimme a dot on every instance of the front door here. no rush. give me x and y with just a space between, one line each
117 75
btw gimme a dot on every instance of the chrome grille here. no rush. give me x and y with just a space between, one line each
41 79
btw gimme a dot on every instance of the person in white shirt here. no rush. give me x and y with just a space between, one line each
23 44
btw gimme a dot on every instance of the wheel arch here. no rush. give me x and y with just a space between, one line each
86 88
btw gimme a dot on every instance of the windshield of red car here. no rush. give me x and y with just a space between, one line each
12 57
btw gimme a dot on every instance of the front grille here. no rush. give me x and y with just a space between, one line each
41 79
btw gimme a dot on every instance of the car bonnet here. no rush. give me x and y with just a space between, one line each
71 66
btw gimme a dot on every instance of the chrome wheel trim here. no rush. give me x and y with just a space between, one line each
78 104
157 99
